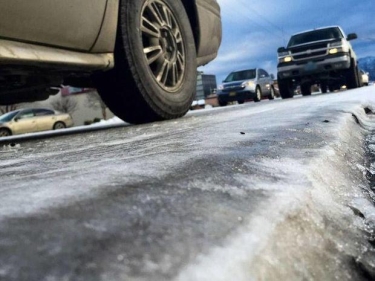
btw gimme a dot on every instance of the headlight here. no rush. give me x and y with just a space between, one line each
333 51
248 84
287 59
221 87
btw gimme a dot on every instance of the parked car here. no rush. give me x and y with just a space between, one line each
246 84
142 55
31 120
364 77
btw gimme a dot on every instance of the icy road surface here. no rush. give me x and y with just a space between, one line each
275 190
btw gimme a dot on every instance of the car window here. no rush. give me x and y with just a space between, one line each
315 35
26 114
43 112
241 75
263 73
8 116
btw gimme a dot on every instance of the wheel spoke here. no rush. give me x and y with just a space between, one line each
153 53
149 29
163 44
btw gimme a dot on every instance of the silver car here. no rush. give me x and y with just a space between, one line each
142 55
246 84
33 120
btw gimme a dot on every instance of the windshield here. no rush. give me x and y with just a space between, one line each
315 35
8 116
241 75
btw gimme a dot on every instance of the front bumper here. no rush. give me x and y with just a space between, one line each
235 95
315 67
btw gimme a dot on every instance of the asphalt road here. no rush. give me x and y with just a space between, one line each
262 191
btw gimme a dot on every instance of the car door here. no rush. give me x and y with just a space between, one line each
25 122
264 81
44 118
73 24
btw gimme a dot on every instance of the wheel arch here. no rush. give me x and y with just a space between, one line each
7 129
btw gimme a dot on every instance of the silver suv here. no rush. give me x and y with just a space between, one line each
246 84
142 55
321 56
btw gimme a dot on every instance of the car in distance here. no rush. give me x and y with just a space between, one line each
246 84
321 56
141 55
364 77
32 120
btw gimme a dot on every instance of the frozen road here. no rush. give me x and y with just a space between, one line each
275 190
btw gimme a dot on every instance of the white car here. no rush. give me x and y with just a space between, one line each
364 78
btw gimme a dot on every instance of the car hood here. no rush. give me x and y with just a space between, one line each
235 83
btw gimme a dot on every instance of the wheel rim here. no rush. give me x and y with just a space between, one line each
163 45
59 126
4 133
259 96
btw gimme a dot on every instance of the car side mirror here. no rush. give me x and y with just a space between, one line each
281 49
352 36
16 119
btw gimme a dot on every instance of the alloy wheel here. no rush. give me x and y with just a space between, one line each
163 45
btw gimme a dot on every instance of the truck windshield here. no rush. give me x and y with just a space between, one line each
241 75
315 35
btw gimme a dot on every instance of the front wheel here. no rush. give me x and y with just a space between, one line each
285 88
306 89
272 94
258 94
5 132
155 63
352 76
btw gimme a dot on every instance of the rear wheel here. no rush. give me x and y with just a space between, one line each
258 94
323 88
241 101
285 88
5 132
306 89
59 125
155 63
272 94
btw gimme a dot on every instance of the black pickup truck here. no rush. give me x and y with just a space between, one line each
321 56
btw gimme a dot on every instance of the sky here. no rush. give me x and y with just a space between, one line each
253 30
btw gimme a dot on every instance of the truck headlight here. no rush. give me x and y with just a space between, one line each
287 59
333 51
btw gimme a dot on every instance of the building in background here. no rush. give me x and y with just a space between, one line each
206 84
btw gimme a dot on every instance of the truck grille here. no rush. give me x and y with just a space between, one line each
310 51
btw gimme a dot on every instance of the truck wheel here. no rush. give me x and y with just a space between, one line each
285 88
352 77
155 63
258 94
323 88
306 89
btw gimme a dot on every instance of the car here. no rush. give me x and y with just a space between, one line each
30 120
254 83
322 56
142 56
364 77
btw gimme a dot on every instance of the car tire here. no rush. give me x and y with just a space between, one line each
258 94
223 103
59 125
285 88
241 101
306 89
272 94
352 76
4 132
154 77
